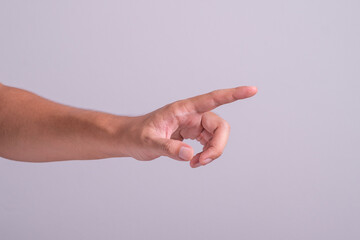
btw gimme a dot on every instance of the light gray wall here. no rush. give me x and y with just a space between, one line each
291 168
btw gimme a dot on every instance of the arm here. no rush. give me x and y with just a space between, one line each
35 129
38 130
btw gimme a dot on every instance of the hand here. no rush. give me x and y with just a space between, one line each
161 132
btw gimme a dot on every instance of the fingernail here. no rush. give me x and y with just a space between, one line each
185 153
206 161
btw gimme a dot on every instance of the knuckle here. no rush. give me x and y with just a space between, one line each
222 122
215 92
172 107
168 107
178 107
215 97
225 125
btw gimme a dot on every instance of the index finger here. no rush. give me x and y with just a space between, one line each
207 102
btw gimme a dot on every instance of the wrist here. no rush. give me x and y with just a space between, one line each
118 130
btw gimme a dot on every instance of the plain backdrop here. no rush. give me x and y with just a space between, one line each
291 169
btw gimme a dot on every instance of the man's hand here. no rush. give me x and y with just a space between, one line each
160 133
34 129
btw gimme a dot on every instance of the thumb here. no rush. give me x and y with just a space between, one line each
174 149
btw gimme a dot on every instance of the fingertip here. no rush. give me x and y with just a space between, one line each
245 92
252 90
194 163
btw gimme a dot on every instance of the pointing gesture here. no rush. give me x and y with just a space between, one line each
35 129
209 101
160 133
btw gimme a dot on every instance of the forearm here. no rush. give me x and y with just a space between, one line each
35 129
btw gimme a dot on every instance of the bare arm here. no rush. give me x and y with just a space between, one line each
35 129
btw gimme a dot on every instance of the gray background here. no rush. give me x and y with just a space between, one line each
291 167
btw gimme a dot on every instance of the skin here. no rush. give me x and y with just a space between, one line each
34 129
